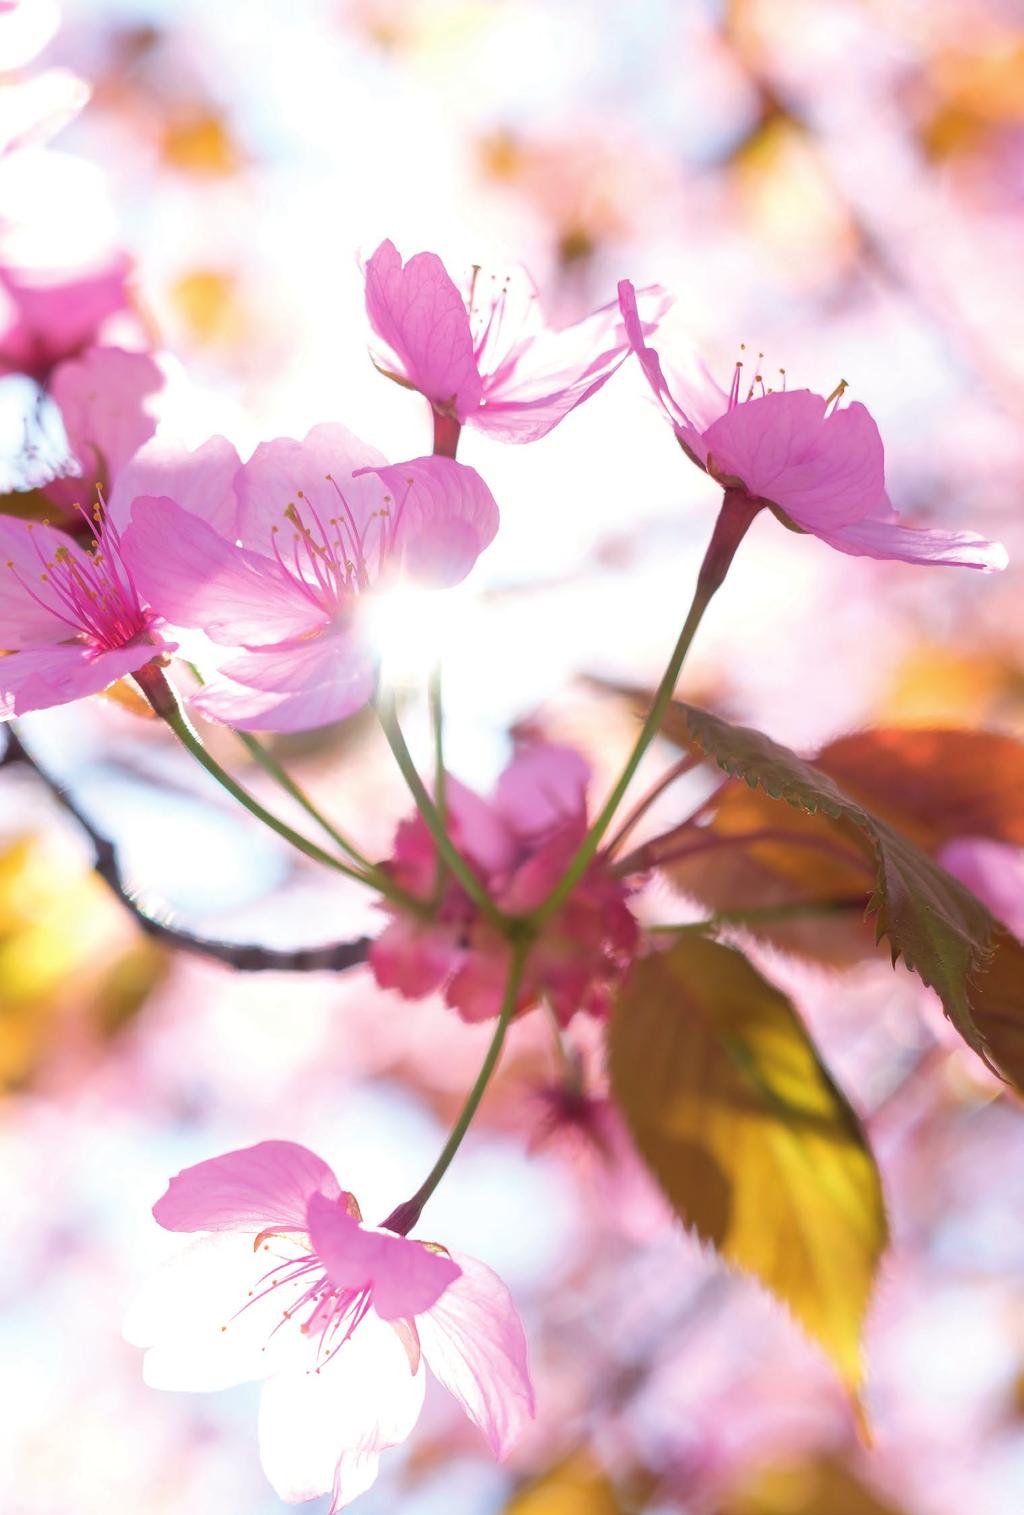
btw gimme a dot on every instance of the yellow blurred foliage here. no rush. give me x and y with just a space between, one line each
70 971
974 93
819 1487
200 144
790 205
208 302
943 686
576 1486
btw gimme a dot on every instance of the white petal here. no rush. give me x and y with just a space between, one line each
324 1432
203 1328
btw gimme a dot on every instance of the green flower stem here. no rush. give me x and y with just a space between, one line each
388 717
440 776
165 703
735 516
284 780
404 1217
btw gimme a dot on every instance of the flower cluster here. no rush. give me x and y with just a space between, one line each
270 566
519 845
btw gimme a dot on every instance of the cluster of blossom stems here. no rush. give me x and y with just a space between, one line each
266 569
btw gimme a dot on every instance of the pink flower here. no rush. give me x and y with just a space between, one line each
105 402
817 464
47 317
483 356
994 871
519 844
72 621
322 523
286 1284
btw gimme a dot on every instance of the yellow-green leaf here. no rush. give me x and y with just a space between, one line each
752 1142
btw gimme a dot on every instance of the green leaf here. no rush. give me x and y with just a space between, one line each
752 1142
940 929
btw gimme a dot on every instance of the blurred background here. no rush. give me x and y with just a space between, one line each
839 184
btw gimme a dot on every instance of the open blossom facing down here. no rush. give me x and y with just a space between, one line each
288 1285
519 844
819 464
483 355
321 523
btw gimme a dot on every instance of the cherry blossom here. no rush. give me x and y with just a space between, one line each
311 528
482 355
818 464
72 621
519 844
286 1284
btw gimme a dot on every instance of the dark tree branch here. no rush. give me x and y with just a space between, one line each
245 956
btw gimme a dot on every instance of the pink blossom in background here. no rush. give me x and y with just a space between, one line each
483 355
817 463
105 398
288 1285
994 871
519 844
322 523
48 317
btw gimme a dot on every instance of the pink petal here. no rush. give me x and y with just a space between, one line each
549 375
105 400
543 786
474 1344
649 361
411 958
995 873
201 482
537 876
292 688
477 988
41 677
55 314
883 539
286 472
419 314
25 552
824 470
193 577
479 829
323 1432
251 1189
443 516
209 1320
407 1277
